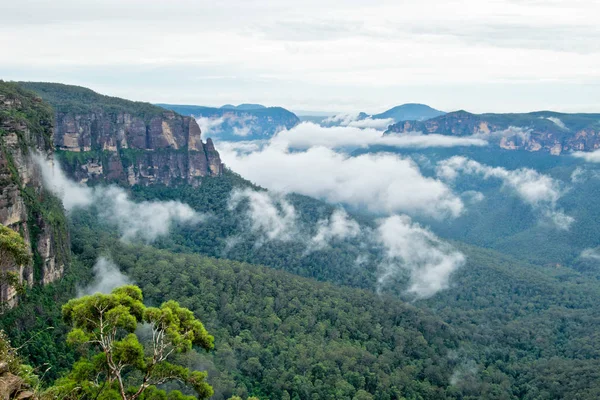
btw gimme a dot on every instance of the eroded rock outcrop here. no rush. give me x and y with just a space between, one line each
25 207
552 132
115 140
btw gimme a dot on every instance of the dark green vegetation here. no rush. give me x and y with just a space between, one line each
106 329
277 333
80 100
244 122
515 319
517 331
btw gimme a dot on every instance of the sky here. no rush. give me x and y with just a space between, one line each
335 56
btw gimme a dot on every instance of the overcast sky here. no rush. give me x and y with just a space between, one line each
340 55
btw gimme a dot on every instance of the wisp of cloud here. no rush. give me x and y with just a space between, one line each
540 191
145 220
107 277
410 247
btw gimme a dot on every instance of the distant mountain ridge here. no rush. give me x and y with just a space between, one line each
404 112
536 131
244 106
410 111
237 123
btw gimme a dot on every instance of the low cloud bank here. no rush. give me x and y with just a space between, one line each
540 191
380 183
107 277
358 121
145 220
589 156
308 134
410 247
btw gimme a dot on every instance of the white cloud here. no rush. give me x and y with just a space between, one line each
210 126
341 119
307 135
107 277
472 196
591 254
592 156
271 215
373 123
145 220
410 247
577 175
382 183
338 226
355 120
273 218
309 55
509 133
538 190
557 121
242 130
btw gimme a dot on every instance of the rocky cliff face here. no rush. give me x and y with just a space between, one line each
123 147
115 140
25 207
538 131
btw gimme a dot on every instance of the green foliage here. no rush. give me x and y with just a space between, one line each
511 316
79 100
30 111
278 333
36 325
103 328
13 246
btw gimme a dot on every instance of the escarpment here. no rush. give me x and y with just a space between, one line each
101 138
551 132
26 208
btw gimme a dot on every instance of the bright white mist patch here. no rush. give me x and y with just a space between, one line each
107 277
381 183
308 134
145 220
409 246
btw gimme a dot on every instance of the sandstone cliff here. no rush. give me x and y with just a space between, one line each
538 131
25 207
115 140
